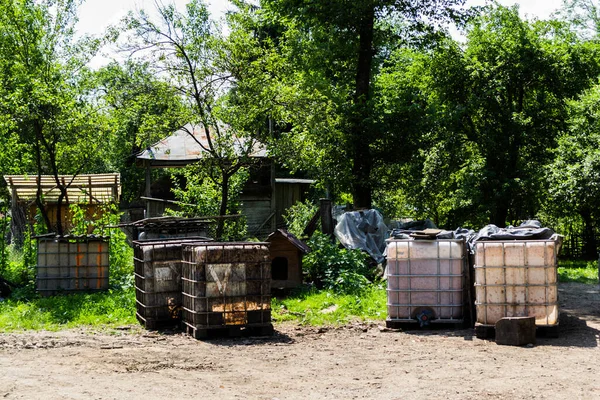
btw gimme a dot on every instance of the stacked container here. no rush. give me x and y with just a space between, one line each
158 281
516 278
72 264
425 282
226 288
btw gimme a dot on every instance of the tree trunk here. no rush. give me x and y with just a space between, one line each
500 215
361 139
38 159
589 239
223 206
59 226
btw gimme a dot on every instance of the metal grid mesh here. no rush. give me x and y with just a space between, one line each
516 279
72 264
157 271
226 284
426 274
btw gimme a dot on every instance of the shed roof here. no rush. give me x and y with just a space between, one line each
96 188
182 147
303 247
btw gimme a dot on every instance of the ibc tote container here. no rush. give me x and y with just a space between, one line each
157 271
516 278
425 281
226 288
72 264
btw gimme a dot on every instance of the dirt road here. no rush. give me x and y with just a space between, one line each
352 362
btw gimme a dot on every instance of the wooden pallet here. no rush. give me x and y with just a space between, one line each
411 324
542 331
198 332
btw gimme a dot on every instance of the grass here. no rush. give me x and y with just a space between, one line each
578 271
108 309
308 306
324 307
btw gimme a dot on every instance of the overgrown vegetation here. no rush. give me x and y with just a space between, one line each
25 309
298 216
112 308
335 268
327 307
102 223
578 271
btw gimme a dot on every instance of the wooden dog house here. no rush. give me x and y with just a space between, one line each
286 252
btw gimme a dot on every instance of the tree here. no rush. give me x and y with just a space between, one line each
583 17
320 58
488 112
520 75
574 174
184 47
140 110
42 101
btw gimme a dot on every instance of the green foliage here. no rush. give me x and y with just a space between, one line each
4 230
307 306
488 114
335 268
310 68
45 111
186 48
202 196
583 16
113 308
141 109
578 271
298 216
103 223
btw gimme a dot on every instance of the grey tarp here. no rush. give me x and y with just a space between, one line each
364 230
528 230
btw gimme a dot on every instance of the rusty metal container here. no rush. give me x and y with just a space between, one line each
226 286
516 278
425 281
72 264
157 269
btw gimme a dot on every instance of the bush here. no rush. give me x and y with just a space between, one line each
121 254
298 216
578 271
335 268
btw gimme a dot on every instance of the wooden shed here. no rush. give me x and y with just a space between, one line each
286 252
264 198
90 191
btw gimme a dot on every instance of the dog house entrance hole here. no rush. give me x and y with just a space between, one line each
279 269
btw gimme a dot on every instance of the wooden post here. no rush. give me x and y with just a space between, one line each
326 217
274 204
148 187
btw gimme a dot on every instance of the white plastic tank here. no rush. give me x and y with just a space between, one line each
425 275
516 278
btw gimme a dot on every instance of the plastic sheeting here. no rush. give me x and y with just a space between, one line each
364 230
528 230
460 233
404 229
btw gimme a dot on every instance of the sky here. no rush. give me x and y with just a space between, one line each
96 15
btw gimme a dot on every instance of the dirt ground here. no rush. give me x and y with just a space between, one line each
352 362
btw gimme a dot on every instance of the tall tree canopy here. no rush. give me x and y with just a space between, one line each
495 109
44 108
185 48
320 60
140 109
